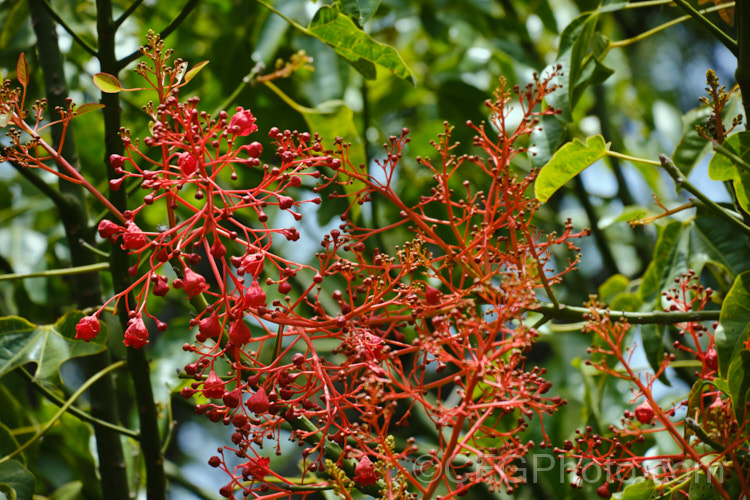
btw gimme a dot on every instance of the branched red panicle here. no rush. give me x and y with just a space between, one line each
703 427
342 355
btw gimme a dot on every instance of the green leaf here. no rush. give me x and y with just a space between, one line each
69 491
13 22
22 70
5 118
16 481
725 168
567 162
652 337
48 346
361 10
194 70
693 405
88 108
545 139
642 490
340 32
614 285
722 168
107 83
683 246
580 58
701 488
739 383
734 323
692 147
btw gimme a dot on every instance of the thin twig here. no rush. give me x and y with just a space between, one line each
85 46
64 408
727 40
572 313
127 13
682 182
68 271
82 415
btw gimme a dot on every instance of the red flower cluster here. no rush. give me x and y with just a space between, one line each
347 351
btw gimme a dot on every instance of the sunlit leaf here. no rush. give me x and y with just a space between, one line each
569 161
88 108
47 346
642 490
734 322
107 83
356 46
194 70
22 70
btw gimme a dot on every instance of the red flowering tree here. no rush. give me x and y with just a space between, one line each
394 352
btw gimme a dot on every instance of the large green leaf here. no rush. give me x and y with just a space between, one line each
683 246
339 31
642 490
16 482
579 55
739 383
724 168
48 346
734 323
569 161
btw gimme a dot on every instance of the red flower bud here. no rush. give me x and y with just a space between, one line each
232 398
257 468
136 334
711 360
258 403
213 387
364 473
254 149
244 121
87 328
114 184
116 161
239 333
210 326
193 283
161 287
644 413
603 491
107 229
187 162
218 250
255 296
432 295
133 238
285 202
253 264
